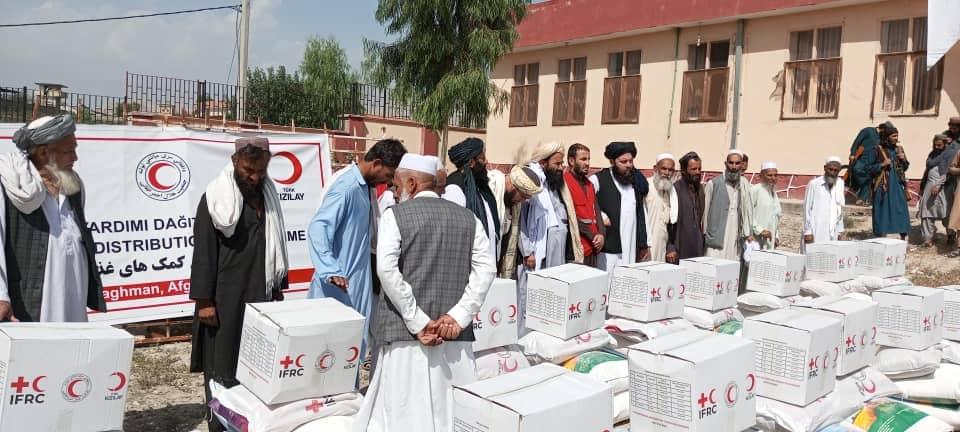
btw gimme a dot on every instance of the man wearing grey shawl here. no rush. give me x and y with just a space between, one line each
49 262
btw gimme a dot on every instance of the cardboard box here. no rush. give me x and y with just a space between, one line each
951 312
858 346
883 257
798 353
299 349
648 291
567 300
910 317
63 376
545 397
711 283
693 380
775 272
496 323
833 261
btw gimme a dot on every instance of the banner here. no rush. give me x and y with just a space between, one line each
142 187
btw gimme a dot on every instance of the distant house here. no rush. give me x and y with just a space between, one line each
51 95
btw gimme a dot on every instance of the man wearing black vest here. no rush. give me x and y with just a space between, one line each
49 260
434 264
621 191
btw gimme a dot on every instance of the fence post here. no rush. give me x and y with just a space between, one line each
24 109
354 98
383 104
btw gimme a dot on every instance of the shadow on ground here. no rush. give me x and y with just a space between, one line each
173 418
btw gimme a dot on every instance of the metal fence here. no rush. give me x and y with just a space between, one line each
379 101
21 105
180 97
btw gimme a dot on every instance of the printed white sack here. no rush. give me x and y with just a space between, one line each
284 416
762 302
899 363
949 414
329 424
951 351
943 387
710 320
887 415
547 348
500 361
603 366
621 407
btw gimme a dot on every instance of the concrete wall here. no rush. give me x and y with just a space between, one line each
799 146
414 136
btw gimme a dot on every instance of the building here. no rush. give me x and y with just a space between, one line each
51 95
791 81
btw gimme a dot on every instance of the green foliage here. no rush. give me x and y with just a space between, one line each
441 61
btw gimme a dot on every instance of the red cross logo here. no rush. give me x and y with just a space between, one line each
840 261
573 308
286 362
718 284
703 400
20 384
926 320
850 341
314 406
812 364
655 292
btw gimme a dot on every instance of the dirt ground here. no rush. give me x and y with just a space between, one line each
164 397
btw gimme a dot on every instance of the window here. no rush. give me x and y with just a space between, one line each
705 83
524 95
621 88
570 93
812 76
903 85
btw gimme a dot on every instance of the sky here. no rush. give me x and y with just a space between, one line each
92 58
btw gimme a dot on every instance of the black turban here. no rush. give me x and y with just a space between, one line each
467 149
618 148
685 160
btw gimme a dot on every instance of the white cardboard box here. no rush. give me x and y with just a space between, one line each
648 291
833 261
951 312
693 380
496 323
545 397
910 317
883 257
711 283
567 300
63 376
858 345
797 354
299 349
775 272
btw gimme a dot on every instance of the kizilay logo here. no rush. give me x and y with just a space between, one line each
163 176
75 388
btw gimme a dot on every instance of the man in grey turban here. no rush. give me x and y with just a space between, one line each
49 260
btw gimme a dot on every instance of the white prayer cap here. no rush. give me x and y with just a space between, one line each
734 152
768 165
663 156
419 163
832 159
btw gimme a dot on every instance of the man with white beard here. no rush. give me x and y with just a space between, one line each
823 206
662 208
49 261
766 207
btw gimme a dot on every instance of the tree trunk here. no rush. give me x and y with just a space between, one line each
444 136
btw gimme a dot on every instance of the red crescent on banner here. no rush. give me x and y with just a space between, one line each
152 176
710 398
323 359
872 388
70 391
507 368
513 311
297 168
355 353
297 361
493 316
730 398
36 383
753 382
123 381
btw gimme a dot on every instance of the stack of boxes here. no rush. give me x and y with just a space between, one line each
710 284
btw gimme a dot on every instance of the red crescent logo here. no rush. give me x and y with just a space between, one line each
584 337
753 382
578 306
871 389
590 305
152 177
507 368
297 361
730 398
863 339
669 292
603 300
356 353
710 398
123 381
493 316
513 311
826 361
70 391
477 317
836 354
683 289
322 360
36 384
297 168
874 334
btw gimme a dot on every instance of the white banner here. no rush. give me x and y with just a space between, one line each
142 187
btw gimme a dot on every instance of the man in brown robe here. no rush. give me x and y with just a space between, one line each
686 236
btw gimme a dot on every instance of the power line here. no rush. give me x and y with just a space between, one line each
234 7
236 46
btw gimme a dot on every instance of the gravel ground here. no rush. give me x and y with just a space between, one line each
165 397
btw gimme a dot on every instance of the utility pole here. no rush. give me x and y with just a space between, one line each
244 46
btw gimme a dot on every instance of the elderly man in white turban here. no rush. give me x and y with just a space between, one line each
662 207
823 206
766 207
545 220
511 190
49 265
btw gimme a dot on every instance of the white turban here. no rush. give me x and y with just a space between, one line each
44 130
419 163
735 152
833 159
768 165
663 156
544 150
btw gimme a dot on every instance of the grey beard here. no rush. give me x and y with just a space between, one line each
68 180
662 185
830 180
732 176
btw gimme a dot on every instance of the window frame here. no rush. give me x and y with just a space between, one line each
813 90
572 86
530 87
910 57
707 71
623 80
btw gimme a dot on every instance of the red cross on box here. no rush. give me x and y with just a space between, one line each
703 400
573 308
20 384
286 362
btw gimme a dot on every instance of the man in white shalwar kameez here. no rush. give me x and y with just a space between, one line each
766 207
543 219
823 206
661 203
432 287
727 215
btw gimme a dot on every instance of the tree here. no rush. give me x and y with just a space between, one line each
276 97
327 77
441 62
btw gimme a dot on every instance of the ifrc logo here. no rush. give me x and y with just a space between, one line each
731 394
116 390
28 391
719 288
814 366
325 361
926 324
76 388
708 406
890 261
477 322
851 343
353 354
575 311
788 276
655 295
291 366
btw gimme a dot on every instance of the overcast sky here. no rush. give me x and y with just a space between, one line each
93 57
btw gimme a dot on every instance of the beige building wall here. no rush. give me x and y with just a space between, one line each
799 146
